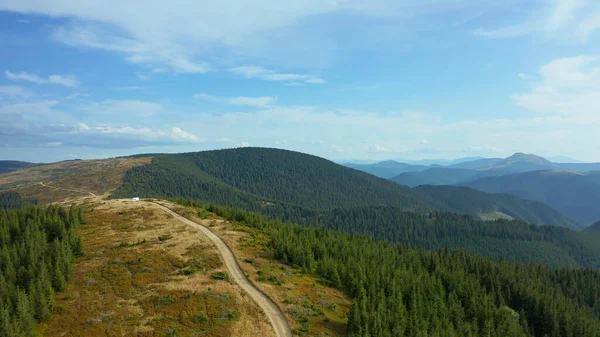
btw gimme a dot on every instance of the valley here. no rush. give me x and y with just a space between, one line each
213 250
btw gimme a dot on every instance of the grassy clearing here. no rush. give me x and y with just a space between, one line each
311 307
96 176
132 283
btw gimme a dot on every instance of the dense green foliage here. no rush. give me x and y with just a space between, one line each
571 193
253 178
403 291
469 201
253 175
14 200
500 239
37 245
13 165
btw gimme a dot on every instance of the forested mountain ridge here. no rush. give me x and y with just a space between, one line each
403 291
468 171
292 182
13 165
388 169
249 175
480 204
574 194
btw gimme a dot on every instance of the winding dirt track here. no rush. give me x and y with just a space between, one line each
271 309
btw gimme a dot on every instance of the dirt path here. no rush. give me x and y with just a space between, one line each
64 189
272 311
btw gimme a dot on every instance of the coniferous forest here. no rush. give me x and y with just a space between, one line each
37 246
14 200
404 291
250 177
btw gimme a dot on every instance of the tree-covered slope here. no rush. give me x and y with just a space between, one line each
13 165
574 194
437 176
477 203
285 182
254 175
387 169
403 291
37 245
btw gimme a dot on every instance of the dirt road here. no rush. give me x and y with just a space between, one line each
272 311
64 189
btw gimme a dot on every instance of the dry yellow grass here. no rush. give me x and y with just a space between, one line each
96 176
311 307
146 274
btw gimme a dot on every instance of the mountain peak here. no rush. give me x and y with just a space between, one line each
532 158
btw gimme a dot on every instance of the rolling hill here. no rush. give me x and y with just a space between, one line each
574 194
486 205
387 169
469 171
477 163
293 185
13 165
437 176
595 227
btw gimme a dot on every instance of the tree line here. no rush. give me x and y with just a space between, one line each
507 239
404 291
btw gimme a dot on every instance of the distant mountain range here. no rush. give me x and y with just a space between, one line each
594 228
292 185
571 188
575 194
13 165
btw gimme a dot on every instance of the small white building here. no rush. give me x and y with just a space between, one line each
136 199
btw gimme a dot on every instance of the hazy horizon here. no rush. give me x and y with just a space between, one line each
338 79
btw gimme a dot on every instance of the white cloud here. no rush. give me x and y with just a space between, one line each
244 144
568 86
52 79
66 81
260 102
181 135
12 91
271 75
337 148
424 142
142 77
135 51
136 134
124 107
577 19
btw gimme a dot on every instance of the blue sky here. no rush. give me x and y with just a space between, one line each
368 80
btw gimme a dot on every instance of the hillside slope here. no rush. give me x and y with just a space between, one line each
595 227
437 176
469 171
13 165
96 176
289 185
239 177
470 201
387 169
574 194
